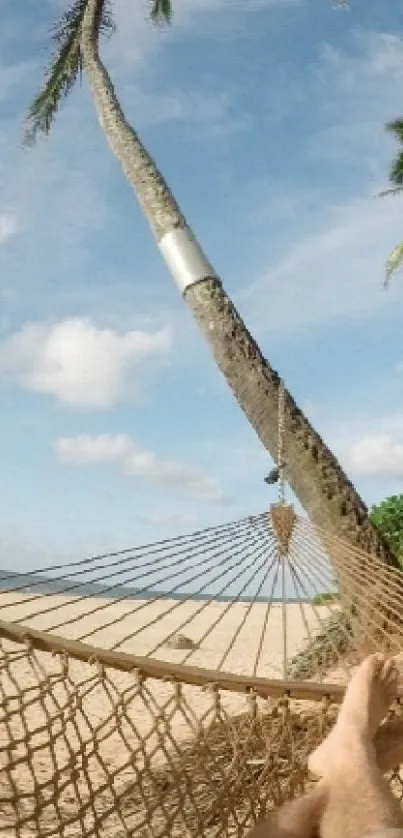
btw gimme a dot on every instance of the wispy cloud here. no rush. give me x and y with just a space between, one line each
79 364
359 91
334 273
337 239
376 455
8 227
192 18
131 459
13 77
161 519
204 114
368 443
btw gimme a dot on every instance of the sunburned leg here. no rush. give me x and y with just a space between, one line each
359 800
300 818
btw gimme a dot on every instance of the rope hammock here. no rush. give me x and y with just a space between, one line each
176 689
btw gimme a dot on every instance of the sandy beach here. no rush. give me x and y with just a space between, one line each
79 706
237 639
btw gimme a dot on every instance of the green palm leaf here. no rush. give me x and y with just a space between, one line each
64 67
393 263
396 170
66 62
161 11
392 190
396 128
395 258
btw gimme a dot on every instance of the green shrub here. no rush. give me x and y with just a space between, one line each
321 599
388 518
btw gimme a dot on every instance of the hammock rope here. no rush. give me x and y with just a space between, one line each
107 725
239 573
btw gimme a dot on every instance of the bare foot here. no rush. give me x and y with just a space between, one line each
366 702
301 816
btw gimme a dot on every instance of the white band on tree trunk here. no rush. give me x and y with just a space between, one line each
185 258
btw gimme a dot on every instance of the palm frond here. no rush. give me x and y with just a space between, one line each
161 11
396 128
64 67
396 170
391 191
393 263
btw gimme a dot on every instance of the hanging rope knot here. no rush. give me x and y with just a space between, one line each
139 677
100 667
178 688
78 701
323 716
284 705
276 475
169 678
211 686
64 663
280 442
252 702
272 476
28 644
326 702
119 704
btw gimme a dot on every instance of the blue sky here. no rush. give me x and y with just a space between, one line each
267 118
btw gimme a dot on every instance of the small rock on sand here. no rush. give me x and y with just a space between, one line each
180 641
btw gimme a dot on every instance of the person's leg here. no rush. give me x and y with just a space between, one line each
359 800
300 818
297 818
388 744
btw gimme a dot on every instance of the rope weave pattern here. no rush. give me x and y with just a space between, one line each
106 729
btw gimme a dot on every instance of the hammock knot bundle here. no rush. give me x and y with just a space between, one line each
177 688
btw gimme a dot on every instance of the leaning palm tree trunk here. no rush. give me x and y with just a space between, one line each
314 474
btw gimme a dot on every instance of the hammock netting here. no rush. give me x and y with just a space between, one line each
176 689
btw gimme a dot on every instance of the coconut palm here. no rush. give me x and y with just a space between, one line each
396 169
313 472
395 258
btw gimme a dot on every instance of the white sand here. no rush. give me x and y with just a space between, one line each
244 639
236 639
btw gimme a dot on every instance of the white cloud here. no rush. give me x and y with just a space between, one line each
195 17
376 455
80 364
360 90
8 227
13 77
205 114
326 260
367 443
128 457
160 519
335 273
